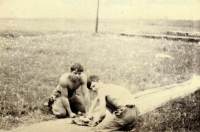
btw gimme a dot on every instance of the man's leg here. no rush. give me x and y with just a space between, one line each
109 123
119 120
131 119
77 103
59 109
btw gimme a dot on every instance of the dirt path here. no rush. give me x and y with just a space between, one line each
60 125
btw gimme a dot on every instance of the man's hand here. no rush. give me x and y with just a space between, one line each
84 119
93 124
52 98
72 115
89 116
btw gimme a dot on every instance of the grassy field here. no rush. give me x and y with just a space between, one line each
32 62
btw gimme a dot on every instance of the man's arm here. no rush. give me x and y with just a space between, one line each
97 111
90 115
93 106
56 93
85 92
102 107
97 114
65 101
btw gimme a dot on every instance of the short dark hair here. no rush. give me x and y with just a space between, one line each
90 79
78 67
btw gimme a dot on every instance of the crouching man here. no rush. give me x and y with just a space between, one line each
65 100
117 100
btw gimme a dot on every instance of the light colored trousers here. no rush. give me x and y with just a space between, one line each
123 118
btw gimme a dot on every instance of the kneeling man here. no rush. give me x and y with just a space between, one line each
117 100
65 100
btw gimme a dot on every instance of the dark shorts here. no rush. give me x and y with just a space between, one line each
121 119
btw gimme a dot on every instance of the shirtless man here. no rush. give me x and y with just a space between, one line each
65 100
120 103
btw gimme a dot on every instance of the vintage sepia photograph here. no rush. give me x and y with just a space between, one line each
99 65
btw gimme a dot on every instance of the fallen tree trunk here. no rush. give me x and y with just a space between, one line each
149 100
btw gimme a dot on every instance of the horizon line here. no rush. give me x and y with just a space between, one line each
99 18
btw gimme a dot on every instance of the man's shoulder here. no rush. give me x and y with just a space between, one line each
84 77
102 93
63 78
65 75
83 74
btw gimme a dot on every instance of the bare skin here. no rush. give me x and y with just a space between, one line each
109 96
68 84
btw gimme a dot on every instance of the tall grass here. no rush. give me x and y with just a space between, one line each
31 64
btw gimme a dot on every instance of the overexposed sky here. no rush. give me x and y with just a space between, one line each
120 9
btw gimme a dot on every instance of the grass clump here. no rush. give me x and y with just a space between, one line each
179 115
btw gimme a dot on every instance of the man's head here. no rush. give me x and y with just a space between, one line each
77 67
76 70
93 83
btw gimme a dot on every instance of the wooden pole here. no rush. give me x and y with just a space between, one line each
97 18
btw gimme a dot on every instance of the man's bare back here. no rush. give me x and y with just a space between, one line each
116 95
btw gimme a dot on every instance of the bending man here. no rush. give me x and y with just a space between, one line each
120 103
65 99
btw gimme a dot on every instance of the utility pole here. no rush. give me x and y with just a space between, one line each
97 18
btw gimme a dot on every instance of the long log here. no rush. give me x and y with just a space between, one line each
149 100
